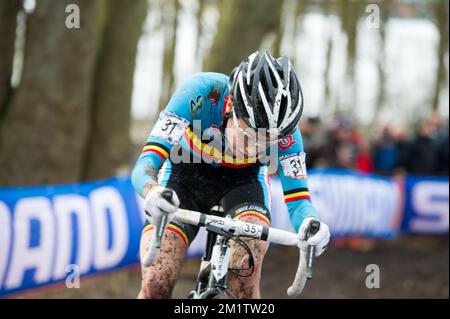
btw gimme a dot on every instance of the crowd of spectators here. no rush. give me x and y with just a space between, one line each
388 149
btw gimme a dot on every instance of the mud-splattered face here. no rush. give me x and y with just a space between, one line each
243 140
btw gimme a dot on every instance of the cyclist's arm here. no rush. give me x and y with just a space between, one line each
292 171
167 132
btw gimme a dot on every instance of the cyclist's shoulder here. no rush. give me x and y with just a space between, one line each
204 81
200 97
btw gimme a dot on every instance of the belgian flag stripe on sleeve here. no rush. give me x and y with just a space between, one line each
157 149
296 194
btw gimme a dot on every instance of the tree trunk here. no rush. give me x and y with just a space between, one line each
349 13
349 19
381 98
299 13
170 13
329 50
44 131
242 25
8 15
199 33
279 34
441 19
108 145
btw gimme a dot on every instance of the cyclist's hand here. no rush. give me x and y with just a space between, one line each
155 204
320 239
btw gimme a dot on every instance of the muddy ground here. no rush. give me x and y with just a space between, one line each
410 267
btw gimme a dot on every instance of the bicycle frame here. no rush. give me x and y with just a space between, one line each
210 284
221 226
213 275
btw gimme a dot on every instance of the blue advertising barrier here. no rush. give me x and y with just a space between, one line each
44 230
426 205
356 204
48 233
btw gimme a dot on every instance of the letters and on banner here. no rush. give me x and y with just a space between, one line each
96 226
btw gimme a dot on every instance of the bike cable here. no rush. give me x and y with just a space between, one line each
251 262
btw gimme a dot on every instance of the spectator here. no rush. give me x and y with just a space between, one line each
385 153
340 149
424 150
364 162
441 136
312 134
402 144
443 156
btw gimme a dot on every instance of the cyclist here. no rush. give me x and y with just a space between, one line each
254 110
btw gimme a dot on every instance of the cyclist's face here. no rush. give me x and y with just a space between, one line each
243 140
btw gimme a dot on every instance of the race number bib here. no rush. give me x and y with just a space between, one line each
170 127
294 165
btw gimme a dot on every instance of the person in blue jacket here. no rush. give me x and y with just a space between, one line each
210 147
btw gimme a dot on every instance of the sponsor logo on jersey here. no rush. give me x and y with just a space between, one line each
286 142
213 95
197 104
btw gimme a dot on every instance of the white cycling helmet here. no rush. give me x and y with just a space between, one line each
266 94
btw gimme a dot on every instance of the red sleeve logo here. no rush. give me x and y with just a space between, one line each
286 142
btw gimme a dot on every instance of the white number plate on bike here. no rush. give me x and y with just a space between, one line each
252 230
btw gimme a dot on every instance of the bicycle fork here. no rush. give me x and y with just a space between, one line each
213 275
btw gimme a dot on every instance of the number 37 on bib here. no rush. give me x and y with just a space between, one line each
294 165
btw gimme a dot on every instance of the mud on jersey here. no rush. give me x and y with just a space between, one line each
192 119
